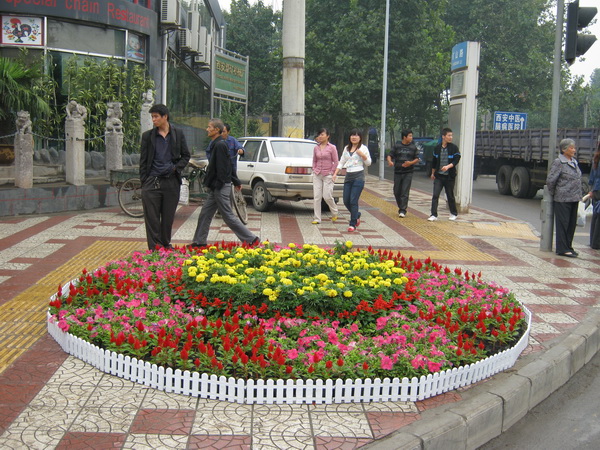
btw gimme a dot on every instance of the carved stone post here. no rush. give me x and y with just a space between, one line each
145 117
114 138
75 144
23 152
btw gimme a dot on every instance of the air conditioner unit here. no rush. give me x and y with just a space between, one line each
199 59
185 40
169 12
194 26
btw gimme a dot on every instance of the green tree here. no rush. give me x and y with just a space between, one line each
20 89
517 44
94 83
344 60
255 31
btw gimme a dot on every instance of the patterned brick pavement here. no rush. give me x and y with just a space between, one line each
51 400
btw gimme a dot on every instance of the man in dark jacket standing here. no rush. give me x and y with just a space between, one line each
443 173
219 179
163 156
403 158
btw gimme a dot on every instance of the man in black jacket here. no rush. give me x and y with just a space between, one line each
403 158
219 179
443 173
163 156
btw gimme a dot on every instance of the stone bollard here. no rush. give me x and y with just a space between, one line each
23 152
75 143
145 117
114 138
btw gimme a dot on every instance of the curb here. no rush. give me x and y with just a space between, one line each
493 406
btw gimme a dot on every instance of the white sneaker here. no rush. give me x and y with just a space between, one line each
401 215
452 217
432 218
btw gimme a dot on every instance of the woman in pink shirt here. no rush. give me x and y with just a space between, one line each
325 160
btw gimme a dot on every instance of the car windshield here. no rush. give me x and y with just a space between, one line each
288 149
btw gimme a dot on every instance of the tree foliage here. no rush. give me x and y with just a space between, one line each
255 31
344 63
21 88
94 83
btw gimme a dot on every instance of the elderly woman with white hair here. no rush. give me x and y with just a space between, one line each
564 183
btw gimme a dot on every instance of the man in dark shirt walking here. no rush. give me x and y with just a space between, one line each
443 173
403 158
163 156
220 176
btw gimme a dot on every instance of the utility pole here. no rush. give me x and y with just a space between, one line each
547 210
292 95
382 160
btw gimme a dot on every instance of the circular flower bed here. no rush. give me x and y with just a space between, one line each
290 313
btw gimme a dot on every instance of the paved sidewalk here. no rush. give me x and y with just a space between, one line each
51 400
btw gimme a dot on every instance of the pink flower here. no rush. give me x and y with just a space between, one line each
386 362
292 354
382 322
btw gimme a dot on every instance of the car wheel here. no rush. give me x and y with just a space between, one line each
260 197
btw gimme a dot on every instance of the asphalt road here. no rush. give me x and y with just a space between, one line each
569 418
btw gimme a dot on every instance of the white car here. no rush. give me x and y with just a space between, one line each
278 168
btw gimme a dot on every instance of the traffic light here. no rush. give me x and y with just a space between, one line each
577 19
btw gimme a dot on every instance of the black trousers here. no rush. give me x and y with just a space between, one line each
595 225
447 184
565 219
402 182
160 196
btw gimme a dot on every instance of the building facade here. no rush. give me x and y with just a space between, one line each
173 39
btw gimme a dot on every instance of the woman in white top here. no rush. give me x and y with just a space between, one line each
354 159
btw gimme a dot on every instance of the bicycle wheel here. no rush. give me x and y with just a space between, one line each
239 205
130 197
197 190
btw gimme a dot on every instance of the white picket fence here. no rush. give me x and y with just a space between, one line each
286 391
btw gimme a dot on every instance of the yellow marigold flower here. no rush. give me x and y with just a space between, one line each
331 292
340 285
398 281
270 280
348 294
292 245
404 280
273 297
192 272
300 291
200 278
267 291
286 281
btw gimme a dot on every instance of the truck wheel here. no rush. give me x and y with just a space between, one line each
503 179
533 190
520 182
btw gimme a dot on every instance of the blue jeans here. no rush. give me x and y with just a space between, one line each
352 191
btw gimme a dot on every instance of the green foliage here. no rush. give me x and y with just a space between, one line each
255 31
94 83
21 88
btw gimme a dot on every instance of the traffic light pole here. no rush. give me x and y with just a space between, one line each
547 209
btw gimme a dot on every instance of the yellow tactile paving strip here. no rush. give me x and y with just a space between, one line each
23 319
443 236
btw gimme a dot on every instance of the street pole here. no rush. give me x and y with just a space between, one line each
384 92
547 210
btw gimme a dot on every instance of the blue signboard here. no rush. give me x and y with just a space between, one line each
510 120
459 56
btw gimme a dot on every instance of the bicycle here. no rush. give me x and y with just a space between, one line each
130 192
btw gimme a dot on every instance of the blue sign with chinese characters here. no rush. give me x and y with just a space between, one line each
459 56
510 120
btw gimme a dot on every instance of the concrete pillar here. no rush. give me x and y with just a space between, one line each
113 139
23 152
145 117
292 99
75 144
